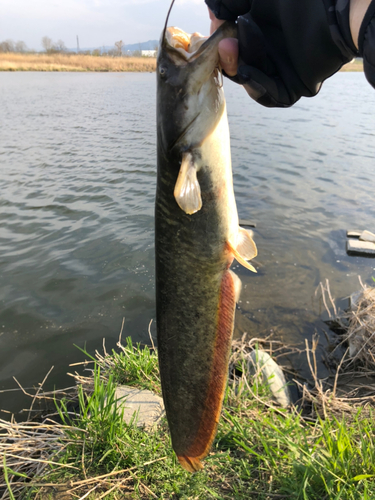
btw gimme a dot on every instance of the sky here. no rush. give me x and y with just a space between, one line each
96 22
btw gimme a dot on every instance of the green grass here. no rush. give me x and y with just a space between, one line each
6 478
260 452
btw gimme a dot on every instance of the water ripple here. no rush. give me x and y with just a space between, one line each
77 184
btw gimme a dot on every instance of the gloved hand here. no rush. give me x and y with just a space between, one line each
286 47
366 42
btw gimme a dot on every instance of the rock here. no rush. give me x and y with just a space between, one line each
367 236
247 223
148 406
260 362
360 247
354 299
353 348
354 233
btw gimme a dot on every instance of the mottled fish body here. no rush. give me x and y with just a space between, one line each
196 238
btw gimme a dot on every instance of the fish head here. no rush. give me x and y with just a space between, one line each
190 99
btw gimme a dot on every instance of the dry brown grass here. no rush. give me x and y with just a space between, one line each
360 334
74 62
356 65
318 397
357 325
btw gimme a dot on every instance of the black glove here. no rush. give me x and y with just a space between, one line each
366 43
287 48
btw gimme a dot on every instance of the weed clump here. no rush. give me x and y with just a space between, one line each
360 333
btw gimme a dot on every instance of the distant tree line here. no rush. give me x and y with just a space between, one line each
11 46
51 47
119 51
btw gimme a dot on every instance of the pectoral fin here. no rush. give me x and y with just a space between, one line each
245 249
187 191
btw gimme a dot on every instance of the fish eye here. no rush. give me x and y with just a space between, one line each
162 72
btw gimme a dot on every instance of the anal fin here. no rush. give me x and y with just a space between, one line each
191 457
237 285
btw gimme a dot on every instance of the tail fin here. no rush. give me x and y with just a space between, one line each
191 464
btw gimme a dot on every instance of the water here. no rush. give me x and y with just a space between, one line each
77 182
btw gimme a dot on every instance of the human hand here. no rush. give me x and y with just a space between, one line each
228 48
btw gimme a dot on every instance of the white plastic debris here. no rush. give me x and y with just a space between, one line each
260 362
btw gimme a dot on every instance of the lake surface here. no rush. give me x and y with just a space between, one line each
77 183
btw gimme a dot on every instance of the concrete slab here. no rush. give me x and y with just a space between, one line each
367 236
148 406
360 247
247 223
354 233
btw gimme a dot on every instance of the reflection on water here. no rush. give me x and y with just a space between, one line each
77 181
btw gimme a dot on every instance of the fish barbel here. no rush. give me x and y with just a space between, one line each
197 236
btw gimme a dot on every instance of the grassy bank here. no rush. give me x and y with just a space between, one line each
73 62
81 62
261 451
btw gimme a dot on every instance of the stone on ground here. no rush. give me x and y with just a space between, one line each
140 404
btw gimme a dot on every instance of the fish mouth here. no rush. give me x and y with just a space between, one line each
187 48
182 46
191 76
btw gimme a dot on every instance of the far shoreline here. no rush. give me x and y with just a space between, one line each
75 63
353 66
89 63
